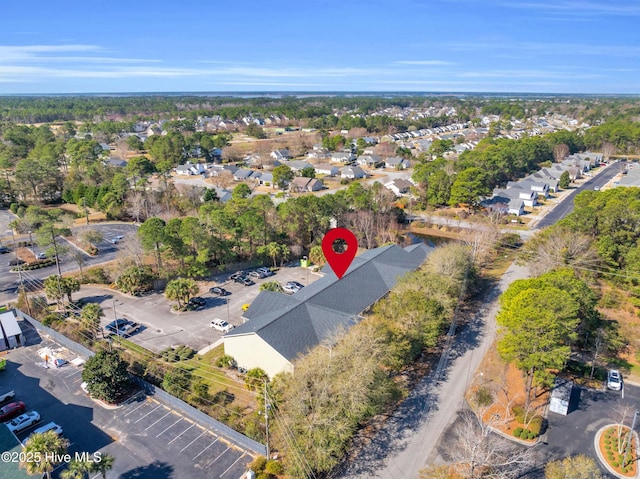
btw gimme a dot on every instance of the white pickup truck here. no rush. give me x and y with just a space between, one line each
6 395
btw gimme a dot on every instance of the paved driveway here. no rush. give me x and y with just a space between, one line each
148 438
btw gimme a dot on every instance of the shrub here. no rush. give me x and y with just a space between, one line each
264 475
536 425
258 464
225 361
13 207
274 467
518 413
186 353
483 397
615 464
49 319
517 431
532 435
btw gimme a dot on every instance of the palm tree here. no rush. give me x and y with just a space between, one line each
76 470
105 464
181 290
46 448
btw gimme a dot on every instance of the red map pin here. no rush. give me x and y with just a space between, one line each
339 262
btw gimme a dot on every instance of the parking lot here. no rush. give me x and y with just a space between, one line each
161 327
147 437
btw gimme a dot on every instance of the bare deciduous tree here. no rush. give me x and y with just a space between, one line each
560 247
482 240
608 149
620 413
135 206
560 152
477 453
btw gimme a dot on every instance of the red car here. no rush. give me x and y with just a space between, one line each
12 410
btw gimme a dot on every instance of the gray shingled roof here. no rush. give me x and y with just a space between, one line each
294 324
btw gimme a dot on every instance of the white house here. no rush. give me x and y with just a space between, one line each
326 169
396 163
352 172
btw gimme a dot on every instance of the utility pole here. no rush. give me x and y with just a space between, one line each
266 418
20 279
626 449
86 211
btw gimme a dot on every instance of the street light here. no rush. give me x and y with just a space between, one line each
30 240
306 264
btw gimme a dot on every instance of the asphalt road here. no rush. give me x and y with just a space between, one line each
108 252
566 206
409 438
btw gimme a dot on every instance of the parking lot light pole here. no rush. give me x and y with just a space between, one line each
626 449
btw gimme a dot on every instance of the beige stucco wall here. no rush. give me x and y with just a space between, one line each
251 351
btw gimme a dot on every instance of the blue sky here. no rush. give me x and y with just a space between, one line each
554 46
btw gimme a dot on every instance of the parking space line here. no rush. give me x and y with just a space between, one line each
148 427
180 434
203 433
159 406
210 444
219 456
179 419
73 373
235 462
135 409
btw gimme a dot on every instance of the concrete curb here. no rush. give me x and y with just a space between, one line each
603 461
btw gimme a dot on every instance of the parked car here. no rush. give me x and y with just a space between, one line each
12 410
246 281
196 304
292 287
221 325
219 291
23 421
235 276
52 426
265 271
41 256
116 239
122 327
4 250
254 275
596 188
614 380
15 262
7 395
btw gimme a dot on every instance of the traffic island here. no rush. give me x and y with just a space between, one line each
617 451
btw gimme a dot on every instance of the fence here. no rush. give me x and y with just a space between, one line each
162 396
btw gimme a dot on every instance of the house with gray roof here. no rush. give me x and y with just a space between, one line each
301 184
280 155
298 165
326 169
372 161
242 174
352 172
281 328
342 157
399 186
396 163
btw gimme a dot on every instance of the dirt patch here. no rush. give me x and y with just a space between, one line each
503 385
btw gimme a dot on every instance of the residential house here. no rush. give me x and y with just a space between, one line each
541 188
116 162
302 183
280 155
319 154
242 174
326 169
352 172
371 161
263 178
298 165
343 157
552 183
218 170
190 169
529 197
399 186
281 328
396 163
